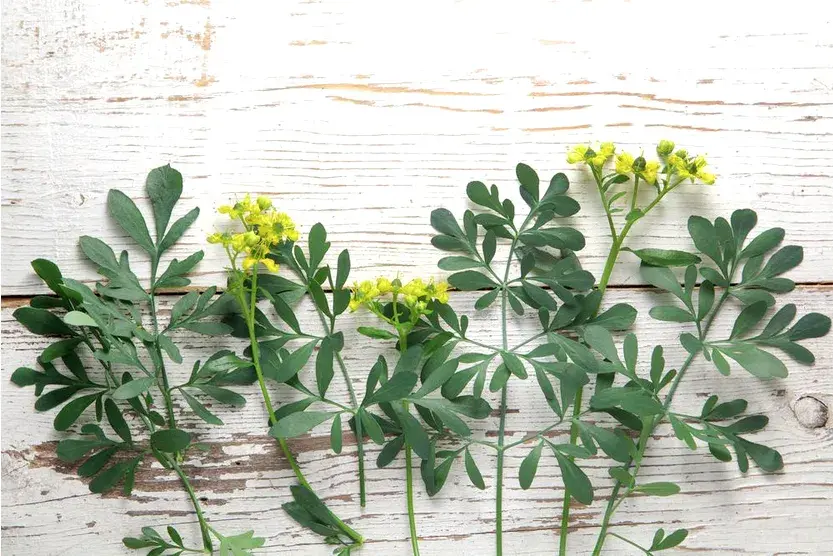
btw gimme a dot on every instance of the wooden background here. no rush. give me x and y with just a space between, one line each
366 115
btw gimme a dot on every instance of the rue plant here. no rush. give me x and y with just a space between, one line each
265 238
106 356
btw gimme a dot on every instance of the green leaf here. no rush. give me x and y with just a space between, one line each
371 427
376 333
318 245
529 181
290 366
164 187
670 541
108 478
486 299
662 278
632 400
748 317
539 295
170 440
705 300
705 237
766 241
664 257
457 263
299 423
343 270
444 222
766 458
619 317
811 325
222 395
601 340
116 420
200 410
499 378
335 434
658 489
415 435
469 280
96 462
437 378
42 322
398 387
670 313
783 260
49 273
473 472
529 466
390 450
575 481
72 411
285 313
209 328
133 388
61 348
489 246
178 229
324 367
514 364
757 361
130 219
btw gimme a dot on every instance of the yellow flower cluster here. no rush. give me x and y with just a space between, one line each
588 155
416 294
679 163
265 227
691 168
645 169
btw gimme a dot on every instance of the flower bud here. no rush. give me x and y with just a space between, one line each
682 153
665 147
264 202
639 164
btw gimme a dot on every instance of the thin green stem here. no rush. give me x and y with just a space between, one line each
249 315
409 483
353 400
204 528
621 538
163 375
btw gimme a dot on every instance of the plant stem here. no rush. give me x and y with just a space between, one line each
249 315
204 528
648 428
353 400
409 482
163 375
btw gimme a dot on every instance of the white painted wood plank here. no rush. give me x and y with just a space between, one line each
48 510
366 116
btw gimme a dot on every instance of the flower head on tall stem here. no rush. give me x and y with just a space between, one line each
264 228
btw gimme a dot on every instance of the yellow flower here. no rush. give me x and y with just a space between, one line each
595 157
216 237
693 169
384 285
249 262
624 163
270 265
576 154
649 174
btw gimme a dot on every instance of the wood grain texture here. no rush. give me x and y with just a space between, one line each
367 116
243 479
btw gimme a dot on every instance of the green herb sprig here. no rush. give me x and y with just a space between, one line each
106 322
269 239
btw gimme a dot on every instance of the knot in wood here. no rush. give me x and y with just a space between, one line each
811 412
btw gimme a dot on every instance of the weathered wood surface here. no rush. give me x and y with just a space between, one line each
244 479
373 116
366 116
